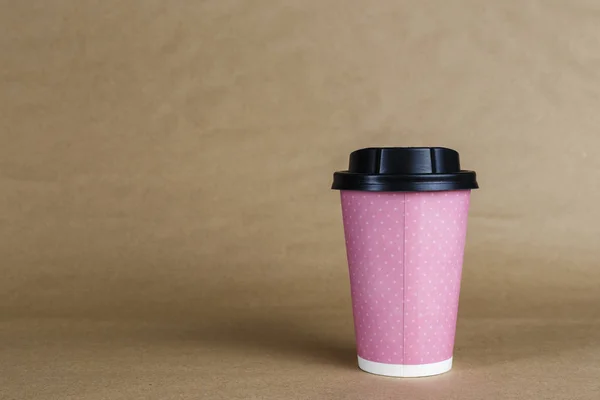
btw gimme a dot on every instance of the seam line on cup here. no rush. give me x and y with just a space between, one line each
404 269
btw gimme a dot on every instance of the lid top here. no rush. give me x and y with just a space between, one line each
404 160
404 169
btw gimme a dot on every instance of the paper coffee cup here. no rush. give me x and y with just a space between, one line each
405 221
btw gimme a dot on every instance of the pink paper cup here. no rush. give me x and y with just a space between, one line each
405 255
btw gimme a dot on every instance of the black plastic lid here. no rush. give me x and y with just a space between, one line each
404 169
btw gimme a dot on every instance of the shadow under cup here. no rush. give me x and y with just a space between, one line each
405 254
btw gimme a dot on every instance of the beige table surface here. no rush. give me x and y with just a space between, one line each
166 225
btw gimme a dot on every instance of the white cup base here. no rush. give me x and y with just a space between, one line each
405 371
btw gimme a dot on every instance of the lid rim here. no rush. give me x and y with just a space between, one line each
463 180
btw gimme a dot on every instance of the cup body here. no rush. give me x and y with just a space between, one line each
405 255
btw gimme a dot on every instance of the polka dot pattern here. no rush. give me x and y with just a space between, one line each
405 253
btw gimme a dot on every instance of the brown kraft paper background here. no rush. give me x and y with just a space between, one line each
167 230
